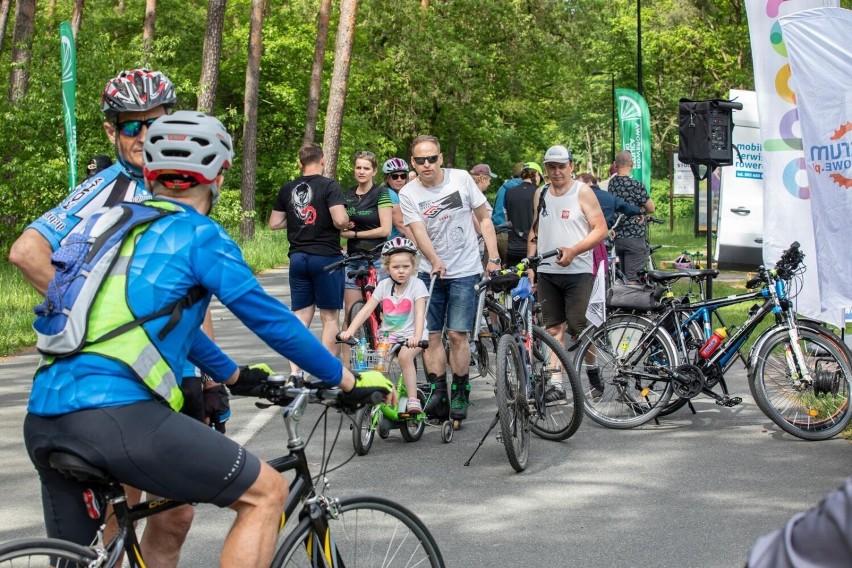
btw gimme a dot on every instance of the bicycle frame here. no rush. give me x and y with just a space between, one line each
302 490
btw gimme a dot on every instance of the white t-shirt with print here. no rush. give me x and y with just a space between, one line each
398 310
445 210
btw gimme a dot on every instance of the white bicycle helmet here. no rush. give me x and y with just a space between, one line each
398 244
186 148
395 165
137 90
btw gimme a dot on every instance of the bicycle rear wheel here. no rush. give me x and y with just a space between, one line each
368 532
44 552
629 360
512 408
817 410
555 417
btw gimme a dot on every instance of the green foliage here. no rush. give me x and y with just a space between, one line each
496 80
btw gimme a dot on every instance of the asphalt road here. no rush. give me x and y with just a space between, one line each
694 491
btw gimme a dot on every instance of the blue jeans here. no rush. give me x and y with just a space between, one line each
452 305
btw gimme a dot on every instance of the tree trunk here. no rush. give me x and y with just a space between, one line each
211 55
77 17
4 19
22 41
148 30
316 72
250 126
339 81
120 7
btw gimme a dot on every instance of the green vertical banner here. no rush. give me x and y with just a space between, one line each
69 98
635 123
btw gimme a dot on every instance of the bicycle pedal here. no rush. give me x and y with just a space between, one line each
729 401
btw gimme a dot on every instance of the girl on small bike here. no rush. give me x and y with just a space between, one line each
403 300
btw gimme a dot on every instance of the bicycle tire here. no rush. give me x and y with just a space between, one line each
490 336
626 401
819 328
44 552
556 420
369 531
411 430
364 329
363 433
512 407
816 411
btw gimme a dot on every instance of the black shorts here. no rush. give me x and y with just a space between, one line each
145 445
564 299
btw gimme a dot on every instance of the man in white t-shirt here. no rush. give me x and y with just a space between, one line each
437 207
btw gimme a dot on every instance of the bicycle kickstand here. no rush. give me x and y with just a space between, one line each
482 441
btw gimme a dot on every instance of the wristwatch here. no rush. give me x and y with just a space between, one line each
494 260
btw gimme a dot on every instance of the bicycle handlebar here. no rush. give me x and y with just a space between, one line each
528 262
352 342
282 392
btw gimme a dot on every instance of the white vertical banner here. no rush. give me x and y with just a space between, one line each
596 310
786 198
818 47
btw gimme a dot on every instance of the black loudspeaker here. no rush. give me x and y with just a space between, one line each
705 129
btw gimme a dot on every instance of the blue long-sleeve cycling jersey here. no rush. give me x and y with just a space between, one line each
173 255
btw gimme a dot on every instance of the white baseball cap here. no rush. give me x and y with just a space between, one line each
558 154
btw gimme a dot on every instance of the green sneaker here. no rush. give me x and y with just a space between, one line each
460 399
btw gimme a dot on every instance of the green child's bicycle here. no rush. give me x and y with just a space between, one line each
384 417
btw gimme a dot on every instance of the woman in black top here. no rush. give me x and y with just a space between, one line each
370 219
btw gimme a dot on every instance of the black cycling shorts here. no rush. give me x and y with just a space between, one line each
145 445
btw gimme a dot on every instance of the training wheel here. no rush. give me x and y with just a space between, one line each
384 428
447 432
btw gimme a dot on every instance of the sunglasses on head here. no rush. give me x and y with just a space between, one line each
423 159
134 127
401 175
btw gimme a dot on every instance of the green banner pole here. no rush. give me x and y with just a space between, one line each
635 123
69 98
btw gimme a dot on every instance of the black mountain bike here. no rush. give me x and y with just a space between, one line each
354 531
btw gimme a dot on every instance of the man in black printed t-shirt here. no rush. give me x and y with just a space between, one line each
312 209
630 244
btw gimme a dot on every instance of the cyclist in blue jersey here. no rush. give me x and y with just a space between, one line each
130 102
75 399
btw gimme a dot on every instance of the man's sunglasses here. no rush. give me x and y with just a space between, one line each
402 175
423 159
132 128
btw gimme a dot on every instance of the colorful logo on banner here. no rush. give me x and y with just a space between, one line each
833 158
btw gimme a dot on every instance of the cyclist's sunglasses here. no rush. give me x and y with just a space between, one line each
420 160
132 128
402 175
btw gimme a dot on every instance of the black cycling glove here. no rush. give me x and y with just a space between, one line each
252 380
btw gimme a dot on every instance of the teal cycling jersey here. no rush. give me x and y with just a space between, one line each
106 188
174 254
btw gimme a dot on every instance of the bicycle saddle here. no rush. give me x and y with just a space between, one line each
75 467
669 275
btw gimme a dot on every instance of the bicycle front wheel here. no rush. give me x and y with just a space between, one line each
363 430
620 366
44 552
558 411
368 532
512 408
812 410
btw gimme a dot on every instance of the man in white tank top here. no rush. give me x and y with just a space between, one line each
571 220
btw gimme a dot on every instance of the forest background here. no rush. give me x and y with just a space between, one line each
497 81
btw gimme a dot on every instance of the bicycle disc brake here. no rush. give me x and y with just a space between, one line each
688 381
